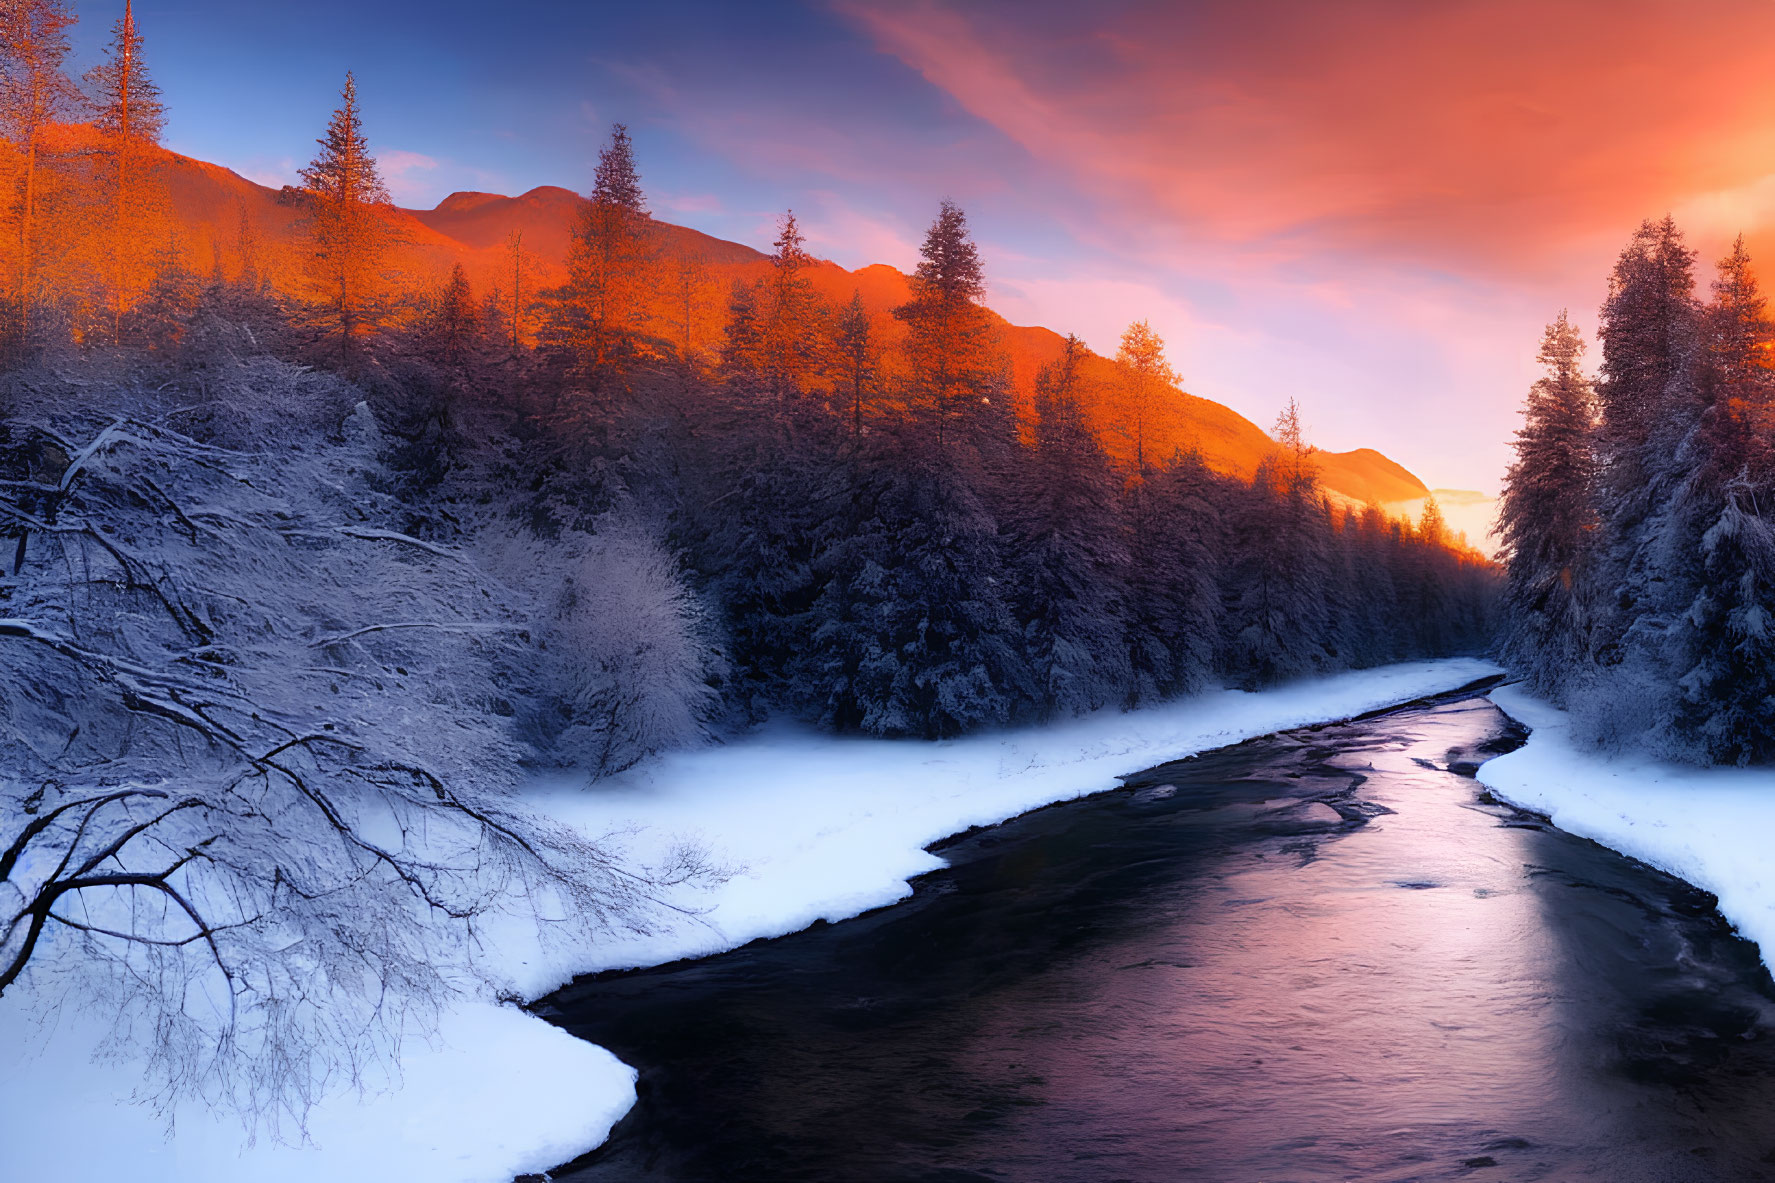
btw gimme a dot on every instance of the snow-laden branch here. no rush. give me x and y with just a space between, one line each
266 868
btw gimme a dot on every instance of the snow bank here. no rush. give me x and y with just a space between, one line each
818 827
1708 826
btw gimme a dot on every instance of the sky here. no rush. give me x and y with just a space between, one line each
1371 207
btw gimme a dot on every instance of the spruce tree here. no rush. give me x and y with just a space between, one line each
1547 520
596 319
791 326
453 329
1724 645
1278 613
741 367
958 371
912 635
616 183
1146 379
348 230
1649 404
1174 522
854 345
129 114
126 101
1068 562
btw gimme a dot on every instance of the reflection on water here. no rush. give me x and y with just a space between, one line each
1321 956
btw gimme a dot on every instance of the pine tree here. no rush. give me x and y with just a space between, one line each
1278 614
453 329
597 317
1174 526
742 351
1146 379
856 355
1724 645
1649 403
616 183
35 91
130 115
1547 519
911 632
348 229
1069 564
957 367
791 326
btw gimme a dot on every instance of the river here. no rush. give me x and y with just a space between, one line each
1322 955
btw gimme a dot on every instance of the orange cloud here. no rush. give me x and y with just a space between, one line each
1502 135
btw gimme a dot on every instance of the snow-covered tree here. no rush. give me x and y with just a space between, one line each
911 633
1723 647
1548 521
1067 558
1648 401
1173 520
632 670
257 759
1278 615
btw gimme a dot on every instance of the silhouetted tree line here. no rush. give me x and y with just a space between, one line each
1638 516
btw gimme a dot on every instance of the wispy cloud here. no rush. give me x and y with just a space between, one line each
408 174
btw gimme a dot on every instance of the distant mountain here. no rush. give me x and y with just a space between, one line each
472 229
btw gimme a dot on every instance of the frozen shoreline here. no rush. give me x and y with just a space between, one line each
1706 826
823 827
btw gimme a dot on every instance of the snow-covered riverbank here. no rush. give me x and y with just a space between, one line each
1707 826
819 827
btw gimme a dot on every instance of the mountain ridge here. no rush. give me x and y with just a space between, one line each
472 227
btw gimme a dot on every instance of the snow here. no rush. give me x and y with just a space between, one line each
814 827
1707 826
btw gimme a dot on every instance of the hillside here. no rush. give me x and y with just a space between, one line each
470 228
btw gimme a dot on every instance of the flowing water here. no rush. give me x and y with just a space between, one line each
1323 955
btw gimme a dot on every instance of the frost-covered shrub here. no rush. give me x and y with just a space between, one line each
631 667
256 777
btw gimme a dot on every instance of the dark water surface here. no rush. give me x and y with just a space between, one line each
1320 956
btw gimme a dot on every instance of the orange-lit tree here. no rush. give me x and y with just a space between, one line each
35 91
129 116
519 265
1146 380
857 357
597 317
792 321
349 231
956 367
